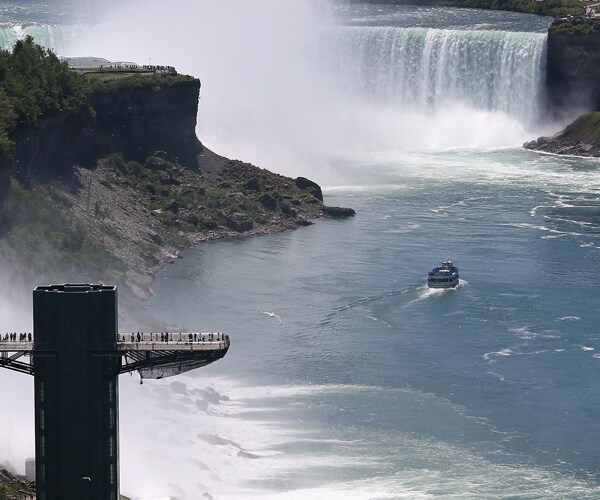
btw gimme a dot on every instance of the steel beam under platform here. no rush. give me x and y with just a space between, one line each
75 353
17 356
162 359
154 359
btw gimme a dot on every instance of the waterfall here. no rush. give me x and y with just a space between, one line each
287 86
427 69
55 37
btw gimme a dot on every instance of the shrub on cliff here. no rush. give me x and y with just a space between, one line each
568 28
586 128
38 221
544 8
33 83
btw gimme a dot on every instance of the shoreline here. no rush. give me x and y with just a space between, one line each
224 235
175 208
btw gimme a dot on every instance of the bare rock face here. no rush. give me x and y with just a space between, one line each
138 120
133 121
310 186
573 71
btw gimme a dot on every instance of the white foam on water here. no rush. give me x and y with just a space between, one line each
285 87
490 356
246 442
526 333
185 439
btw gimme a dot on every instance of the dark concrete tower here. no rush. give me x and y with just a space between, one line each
76 355
76 392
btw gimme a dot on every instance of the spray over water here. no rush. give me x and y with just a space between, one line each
288 88
16 410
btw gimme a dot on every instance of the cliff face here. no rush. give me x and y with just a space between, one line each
134 121
141 120
573 71
121 217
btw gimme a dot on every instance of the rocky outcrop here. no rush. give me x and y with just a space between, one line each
573 72
132 186
580 138
312 187
121 220
132 120
338 212
13 487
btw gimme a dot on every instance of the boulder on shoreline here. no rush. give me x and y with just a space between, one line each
338 212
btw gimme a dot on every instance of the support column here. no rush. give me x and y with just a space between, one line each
76 394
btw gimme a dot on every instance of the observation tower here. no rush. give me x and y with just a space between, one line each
76 355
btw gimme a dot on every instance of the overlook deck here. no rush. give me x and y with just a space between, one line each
76 353
144 352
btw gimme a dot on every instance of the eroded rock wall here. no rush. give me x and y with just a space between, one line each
134 121
573 72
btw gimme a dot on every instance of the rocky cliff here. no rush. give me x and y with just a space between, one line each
573 71
13 487
132 120
115 190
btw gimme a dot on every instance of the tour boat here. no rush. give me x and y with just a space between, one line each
443 276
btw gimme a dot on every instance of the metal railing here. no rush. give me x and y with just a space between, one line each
173 346
187 337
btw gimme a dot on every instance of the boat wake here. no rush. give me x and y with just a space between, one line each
424 292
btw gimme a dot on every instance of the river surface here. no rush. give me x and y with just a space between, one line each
374 386
365 383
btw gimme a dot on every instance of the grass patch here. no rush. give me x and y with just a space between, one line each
586 128
34 223
567 28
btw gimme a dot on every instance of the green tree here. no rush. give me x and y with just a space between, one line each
33 83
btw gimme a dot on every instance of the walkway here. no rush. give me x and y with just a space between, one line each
144 352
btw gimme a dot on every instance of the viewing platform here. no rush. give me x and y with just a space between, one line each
76 353
149 353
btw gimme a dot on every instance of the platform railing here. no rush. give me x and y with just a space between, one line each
26 346
133 341
173 346
187 337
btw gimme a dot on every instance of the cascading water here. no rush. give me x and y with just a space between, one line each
290 85
371 386
396 88
55 37
427 69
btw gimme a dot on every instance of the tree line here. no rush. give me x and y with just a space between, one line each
554 8
33 83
